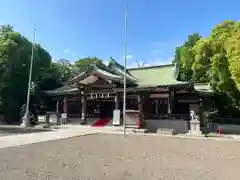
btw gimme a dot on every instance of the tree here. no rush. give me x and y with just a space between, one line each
81 64
184 57
202 61
232 47
65 69
214 59
220 75
6 28
15 54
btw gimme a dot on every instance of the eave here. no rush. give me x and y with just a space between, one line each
95 70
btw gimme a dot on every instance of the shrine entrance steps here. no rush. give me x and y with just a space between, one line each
102 122
90 121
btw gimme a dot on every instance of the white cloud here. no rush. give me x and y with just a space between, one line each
129 57
67 51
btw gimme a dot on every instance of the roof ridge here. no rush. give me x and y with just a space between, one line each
154 66
113 64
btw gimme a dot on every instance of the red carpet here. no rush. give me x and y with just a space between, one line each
101 122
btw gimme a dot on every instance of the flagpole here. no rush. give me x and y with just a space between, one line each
25 120
125 70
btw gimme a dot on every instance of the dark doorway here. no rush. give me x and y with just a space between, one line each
181 108
106 109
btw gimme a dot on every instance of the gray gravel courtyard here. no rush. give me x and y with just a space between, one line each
112 157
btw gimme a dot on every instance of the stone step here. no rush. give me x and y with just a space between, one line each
136 130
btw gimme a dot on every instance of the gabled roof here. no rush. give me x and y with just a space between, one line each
164 75
119 69
93 69
153 76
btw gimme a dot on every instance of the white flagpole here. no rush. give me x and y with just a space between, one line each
25 120
125 70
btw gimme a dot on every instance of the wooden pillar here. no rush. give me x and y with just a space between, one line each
116 100
140 108
84 108
57 106
201 110
146 105
65 105
170 100
65 112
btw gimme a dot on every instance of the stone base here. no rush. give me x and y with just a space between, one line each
42 126
140 130
195 133
165 131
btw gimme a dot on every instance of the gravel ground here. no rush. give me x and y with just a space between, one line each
6 131
113 157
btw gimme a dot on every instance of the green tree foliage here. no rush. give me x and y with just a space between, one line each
201 61
184 56
213 59
220 80
65 69
232 47
81 64
15 54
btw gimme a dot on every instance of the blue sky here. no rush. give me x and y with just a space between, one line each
72 29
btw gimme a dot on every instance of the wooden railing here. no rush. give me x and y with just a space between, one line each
224 120
170 117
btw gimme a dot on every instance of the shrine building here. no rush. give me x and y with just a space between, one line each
161 100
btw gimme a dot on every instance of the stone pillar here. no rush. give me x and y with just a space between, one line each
194 125
116 100
84 108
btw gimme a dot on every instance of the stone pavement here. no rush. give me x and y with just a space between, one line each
68 131
24 139
58 132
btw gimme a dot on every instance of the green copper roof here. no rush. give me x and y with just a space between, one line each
119 69
94 69
107 73
62 90
164 75
154 76
203 87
